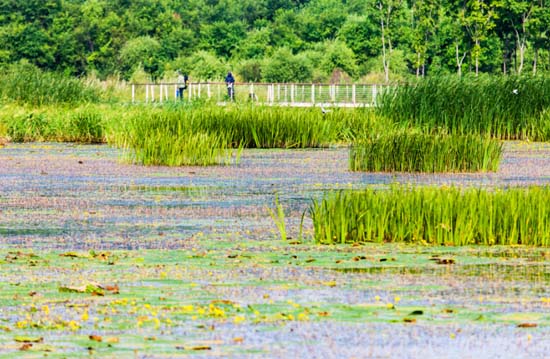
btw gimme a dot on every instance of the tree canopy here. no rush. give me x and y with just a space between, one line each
278 40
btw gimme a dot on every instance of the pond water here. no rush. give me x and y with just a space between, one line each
223 246
84 196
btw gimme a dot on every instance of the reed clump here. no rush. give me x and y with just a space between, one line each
166 139
84 124
269 127
26 84
431 215
506 107
414 151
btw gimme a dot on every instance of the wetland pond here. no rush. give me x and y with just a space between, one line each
100 258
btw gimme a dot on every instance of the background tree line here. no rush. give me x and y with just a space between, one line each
277 40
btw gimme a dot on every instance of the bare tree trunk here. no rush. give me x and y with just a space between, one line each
521 47
459 60
385 59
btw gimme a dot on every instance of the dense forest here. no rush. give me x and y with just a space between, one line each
277 40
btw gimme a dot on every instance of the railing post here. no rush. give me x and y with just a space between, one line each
146 93
374 93
292 93
313 94
208 93
176 93
353 98
133 93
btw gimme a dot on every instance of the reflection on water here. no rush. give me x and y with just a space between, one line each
536 272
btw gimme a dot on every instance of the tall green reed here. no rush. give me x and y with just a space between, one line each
431 215
507 107
413 151
26 84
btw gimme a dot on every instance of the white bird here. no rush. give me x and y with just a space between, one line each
323 110
515 91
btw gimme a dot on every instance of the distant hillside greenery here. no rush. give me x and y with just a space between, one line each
277 40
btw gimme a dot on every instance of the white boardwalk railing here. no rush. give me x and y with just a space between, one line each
296 95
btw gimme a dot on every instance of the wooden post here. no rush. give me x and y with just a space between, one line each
374 93
291 93
353 98
286 93
133 93
199 93
160 93
313 94
208 90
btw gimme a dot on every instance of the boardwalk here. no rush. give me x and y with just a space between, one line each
294 95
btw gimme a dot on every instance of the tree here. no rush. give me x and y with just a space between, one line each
520 14
387 13
425 21
144 51
337 55
283 66
539 27
478 17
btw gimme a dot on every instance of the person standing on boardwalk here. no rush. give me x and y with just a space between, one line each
230 82
182 84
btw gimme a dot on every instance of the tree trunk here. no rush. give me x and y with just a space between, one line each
459 60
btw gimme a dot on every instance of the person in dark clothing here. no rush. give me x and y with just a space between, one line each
230 82
182 84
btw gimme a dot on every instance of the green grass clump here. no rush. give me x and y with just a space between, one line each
161 139
268 127
158 135
411 151
84 124
507 107
440 216
26 84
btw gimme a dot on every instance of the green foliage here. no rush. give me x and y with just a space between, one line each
283 66
338 56
142 51
203 66
410 151
250 70
439 216
504 107
431 36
